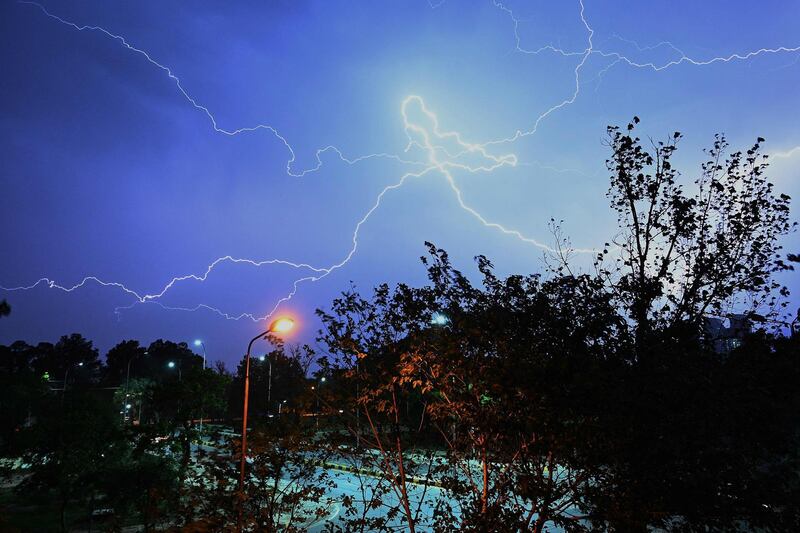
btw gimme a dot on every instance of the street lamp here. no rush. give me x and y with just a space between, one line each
128 377
198 342
66 374
439 319
269 382
172 364
281 325
64 388
316 415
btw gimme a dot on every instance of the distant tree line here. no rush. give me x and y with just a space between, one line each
119 433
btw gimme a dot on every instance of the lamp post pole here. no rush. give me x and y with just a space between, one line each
319 391
64 388
172 364
244 425
127 382
269 385
358 407
280 326
66 375
269 382
198 342
128 374
128 371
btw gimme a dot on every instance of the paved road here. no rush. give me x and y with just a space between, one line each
348 484
359 486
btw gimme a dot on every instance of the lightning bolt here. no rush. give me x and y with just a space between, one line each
211 118
319 273
444 150
433 150
584 55
316 273
420 136
787 154
617 57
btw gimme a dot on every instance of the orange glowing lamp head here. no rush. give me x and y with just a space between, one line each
281 325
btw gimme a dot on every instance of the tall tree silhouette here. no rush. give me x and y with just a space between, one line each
683 255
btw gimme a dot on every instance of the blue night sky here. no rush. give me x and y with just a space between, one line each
113 169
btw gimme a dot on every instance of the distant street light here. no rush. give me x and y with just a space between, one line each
198 342
64 388
66 375
172 364
316 414
128 378
439 319
281 325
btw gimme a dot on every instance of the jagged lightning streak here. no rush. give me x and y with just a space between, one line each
154 296
212 119
704 62
444 167
786 154
318 272
567 101
434 151
618 58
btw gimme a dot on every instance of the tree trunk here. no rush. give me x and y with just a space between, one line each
400 467
485 468
538 525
